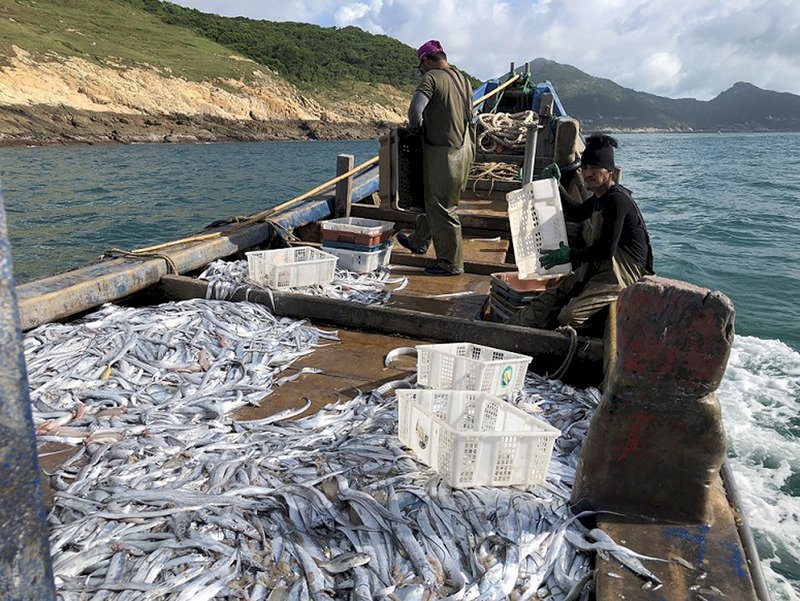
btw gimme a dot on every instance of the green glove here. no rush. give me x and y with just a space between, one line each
551 170
558 256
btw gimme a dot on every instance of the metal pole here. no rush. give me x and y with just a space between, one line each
530 153
745 533
25 568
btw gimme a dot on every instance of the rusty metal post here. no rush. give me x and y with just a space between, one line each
25 568
529 160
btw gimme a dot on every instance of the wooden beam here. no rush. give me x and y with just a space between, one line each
471 222
409 260
485 157
344 188
469 267
547 348
495 185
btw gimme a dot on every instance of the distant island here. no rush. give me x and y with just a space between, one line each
126 71
601 104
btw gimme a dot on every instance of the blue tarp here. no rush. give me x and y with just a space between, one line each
543 88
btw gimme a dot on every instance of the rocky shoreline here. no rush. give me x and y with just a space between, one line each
48 125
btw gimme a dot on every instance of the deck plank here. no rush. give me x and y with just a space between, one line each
352 364
457 296
714 550
475 250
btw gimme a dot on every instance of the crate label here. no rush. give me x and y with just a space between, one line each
505 377
422 436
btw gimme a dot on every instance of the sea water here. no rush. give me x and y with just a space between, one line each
723 212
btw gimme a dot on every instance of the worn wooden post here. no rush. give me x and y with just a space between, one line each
656 441
344 188
25 568
546 105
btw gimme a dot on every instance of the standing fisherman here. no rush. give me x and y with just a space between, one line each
441 109
617 251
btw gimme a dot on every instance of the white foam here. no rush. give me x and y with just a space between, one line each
760 395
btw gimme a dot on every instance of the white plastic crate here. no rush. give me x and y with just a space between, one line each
466 366
291 267
357 230
537 222
361 261
475 439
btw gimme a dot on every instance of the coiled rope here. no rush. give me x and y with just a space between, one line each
504 131
492 172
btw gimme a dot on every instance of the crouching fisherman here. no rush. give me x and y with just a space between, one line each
616 254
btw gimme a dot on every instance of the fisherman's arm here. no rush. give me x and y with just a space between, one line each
415 110
606 245
575 210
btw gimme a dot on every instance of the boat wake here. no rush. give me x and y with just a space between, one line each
760 396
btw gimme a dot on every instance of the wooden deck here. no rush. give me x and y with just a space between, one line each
702 558
706 560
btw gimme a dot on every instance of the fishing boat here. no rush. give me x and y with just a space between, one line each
703 558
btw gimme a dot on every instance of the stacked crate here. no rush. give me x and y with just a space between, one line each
462 427
508 293
362 245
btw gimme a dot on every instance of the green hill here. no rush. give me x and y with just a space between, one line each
140 70
307 55
602 104
197 45
111 33
147 70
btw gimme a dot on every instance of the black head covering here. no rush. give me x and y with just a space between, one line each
599 152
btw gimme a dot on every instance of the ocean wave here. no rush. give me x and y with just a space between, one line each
760 397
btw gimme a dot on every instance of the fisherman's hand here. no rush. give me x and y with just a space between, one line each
558 256
551 170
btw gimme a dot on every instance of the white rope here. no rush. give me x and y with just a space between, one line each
506 172
504 131
492 172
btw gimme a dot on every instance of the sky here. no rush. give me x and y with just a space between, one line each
674 48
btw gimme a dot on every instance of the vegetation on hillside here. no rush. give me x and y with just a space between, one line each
601 103
113 34
309 56
335 64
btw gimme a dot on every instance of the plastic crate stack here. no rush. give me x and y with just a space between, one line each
362 245
536 220
508 294
462 427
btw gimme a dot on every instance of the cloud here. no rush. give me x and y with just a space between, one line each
304 11
683 48
361 15
660 69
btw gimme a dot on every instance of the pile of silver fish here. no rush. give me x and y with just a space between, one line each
167 497
225 278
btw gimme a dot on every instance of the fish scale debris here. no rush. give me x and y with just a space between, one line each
184 502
